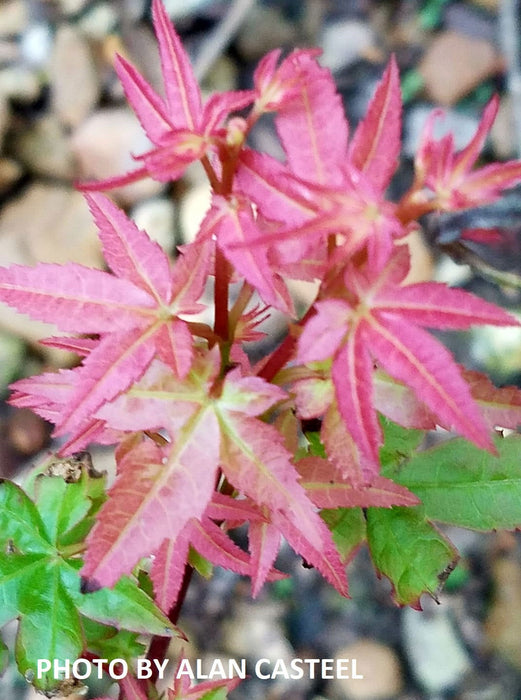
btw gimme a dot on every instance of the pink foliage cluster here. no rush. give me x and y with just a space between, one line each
206 441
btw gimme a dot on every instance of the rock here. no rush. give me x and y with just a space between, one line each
157 218
497 351
4 118
99 21
36 44
26 432
503 134
492 5
20 83
192 210
12 354
103 145
10 172
44 149
475 59
13 17
50 223
460 17
503 622
265 28
75 87
255 626
435 653
46 223
344 43
462 125
379 666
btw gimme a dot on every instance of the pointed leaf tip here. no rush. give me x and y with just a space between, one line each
89 585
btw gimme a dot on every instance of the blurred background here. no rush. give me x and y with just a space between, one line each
63 118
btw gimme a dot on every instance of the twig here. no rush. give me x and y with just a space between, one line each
222 35
509 37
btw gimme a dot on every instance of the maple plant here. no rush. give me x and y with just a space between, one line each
319 442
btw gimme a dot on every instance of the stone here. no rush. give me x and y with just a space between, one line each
504 616
377 663
10 173
462 125
20 83
75 87
157 217
265 28
103 145
12 354
192 210
51 223
100 20
36 44
46 223
454 64
435 653
44 149
13 17
503 132
344 43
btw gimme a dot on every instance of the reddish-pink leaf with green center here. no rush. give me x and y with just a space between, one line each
328 488
446 179
251 453
181 130
156 493
135 311
380 319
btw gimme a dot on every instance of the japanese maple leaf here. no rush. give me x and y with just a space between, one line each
446 180
135 311
212 542
180 128
329 186
213 424
379 319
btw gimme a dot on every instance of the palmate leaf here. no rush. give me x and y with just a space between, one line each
462 485
381 318
40 583
417 558
178 480
135 312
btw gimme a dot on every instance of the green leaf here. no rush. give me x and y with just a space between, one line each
399 443
110 643
40 583
126 606
348 528
462 485
215 694
410 551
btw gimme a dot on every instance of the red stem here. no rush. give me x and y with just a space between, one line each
222 279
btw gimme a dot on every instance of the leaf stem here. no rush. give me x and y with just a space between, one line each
159 645
222 279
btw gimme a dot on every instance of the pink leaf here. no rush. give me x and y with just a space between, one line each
75 298
375 147
153 499
413 356
327 488
130 253
118 361
312 125
148 106
264 542
255 462
182 91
